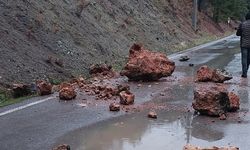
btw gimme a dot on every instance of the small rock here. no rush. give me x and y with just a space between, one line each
67 93
234 102
191 65
152 114
184 58
126 98
44 88
223 117
114 107
62 147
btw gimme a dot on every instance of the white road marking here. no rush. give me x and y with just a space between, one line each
25 106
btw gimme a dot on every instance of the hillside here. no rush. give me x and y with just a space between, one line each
53 39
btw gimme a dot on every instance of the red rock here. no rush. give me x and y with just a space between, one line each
191 147
44 88
101 70
64 85
20 90
211 100
62 147
126 98
67 93
206 74
114 107
234 102
223 117
152 114
146 65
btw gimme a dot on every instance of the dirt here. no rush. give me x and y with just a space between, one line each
60 39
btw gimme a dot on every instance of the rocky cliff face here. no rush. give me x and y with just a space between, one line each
41 39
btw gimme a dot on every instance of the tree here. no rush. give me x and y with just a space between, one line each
235 9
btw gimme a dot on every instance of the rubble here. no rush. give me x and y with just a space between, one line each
152 114
211 100
44 88
206 74
67 93
126 98
101 70
191 147
20 90
146 65
114 107
234 102
62 147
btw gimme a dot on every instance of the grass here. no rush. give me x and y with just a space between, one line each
10 101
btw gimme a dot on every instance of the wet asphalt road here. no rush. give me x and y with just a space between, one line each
47 124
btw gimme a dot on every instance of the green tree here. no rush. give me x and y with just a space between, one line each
222 9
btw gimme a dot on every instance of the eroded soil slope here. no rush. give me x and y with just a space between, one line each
54 39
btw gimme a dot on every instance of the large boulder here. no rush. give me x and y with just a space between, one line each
67 93
146 65
211 100
44 88
191 147
206 74
234 102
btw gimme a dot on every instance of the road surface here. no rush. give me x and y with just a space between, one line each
43 122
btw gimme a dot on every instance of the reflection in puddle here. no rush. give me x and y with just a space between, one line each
171 131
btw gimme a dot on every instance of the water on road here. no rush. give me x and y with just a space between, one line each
176 124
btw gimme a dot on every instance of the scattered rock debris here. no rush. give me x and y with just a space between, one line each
102 70
144 65
191 147
206 74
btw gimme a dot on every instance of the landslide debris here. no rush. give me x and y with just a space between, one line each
146 65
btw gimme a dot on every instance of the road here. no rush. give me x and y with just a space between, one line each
43 122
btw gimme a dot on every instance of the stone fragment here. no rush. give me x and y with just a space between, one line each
126 98
206 74
152 114
114 107
44 88
234 102
67 93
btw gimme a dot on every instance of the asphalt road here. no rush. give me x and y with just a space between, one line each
43 122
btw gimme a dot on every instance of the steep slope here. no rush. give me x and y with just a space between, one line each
48 38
